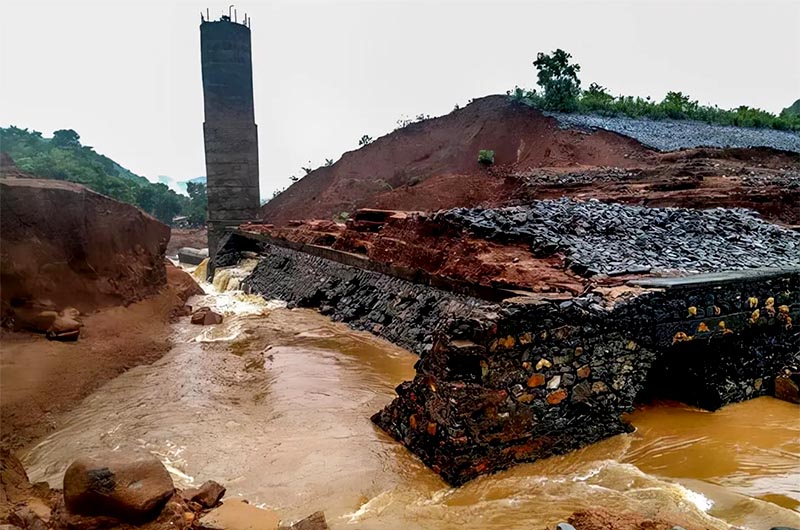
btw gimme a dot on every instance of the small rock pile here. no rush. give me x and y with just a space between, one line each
600 238
671 135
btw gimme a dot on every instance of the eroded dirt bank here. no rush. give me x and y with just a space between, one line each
186 237
76 248
42 379
81 267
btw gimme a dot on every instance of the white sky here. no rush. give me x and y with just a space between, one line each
126 74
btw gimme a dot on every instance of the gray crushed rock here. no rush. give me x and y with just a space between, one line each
601 238
671 135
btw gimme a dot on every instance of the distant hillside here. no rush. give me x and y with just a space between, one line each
793 109
62 157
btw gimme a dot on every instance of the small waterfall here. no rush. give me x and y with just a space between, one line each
230 278
200 272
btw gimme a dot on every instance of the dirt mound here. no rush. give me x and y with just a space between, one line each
392 172
62 242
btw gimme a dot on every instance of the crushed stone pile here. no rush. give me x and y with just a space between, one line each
671 135
601 238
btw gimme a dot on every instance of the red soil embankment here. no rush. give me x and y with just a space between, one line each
41 379
392 172
65 243
433 165
65 246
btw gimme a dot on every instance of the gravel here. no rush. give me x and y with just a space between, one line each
613 239
670 135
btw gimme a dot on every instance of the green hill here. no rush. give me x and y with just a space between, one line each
793 109
63 157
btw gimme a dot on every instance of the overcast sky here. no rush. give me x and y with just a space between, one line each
126 74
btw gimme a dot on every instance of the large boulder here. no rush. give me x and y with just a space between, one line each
208 495
62 242
206 317
129 486
787 387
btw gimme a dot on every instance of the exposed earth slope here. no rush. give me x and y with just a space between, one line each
447 147
433 164
64 243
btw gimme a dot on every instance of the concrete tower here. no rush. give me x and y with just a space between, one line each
231 138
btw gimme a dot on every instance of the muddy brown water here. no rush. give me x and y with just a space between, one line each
275 404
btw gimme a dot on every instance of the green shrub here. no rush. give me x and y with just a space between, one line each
486 157
561 92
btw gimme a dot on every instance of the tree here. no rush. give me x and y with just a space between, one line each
66 138
365 140
167 204
197 211
146 198
559 79
63 157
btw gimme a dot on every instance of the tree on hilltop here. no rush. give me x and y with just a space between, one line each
66 138
559 79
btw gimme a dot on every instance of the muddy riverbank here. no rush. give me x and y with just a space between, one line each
275 404
41 379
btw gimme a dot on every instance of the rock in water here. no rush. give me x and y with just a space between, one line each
207 495
787 388
129 486
192 256
315 521
206 317
64 329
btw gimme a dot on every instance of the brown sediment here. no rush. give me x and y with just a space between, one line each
41 379
602 519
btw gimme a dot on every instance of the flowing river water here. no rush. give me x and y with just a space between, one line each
275 404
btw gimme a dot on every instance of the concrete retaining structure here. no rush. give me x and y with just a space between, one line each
516 379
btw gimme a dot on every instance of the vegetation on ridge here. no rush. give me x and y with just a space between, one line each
558 79
62 157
